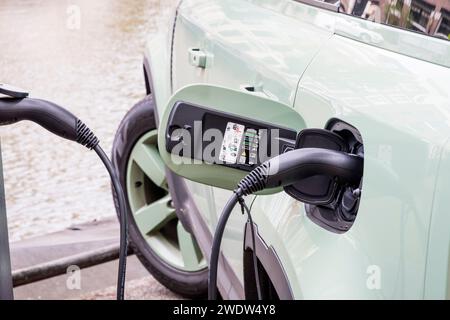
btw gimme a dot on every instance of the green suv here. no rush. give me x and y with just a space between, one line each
374 75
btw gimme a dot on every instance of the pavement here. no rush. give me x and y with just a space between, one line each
94 71
96 282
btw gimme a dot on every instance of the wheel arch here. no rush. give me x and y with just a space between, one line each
158 65
269 261
156 80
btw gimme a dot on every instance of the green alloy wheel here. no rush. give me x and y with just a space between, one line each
158 238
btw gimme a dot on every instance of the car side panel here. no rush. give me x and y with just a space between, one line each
401 106
437 278
249 46
157 64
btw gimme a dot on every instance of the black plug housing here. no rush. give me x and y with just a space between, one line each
48 115
13 92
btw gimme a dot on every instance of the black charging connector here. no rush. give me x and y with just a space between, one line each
16 107
280 171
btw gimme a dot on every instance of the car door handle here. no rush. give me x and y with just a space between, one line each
256 90
199 58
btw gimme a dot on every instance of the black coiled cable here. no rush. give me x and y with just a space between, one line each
255 181
85 136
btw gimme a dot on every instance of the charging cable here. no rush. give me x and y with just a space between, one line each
123 248
16 107
244 210
280 171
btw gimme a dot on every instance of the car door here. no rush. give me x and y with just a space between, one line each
260 47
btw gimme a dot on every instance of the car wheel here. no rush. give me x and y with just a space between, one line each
158 238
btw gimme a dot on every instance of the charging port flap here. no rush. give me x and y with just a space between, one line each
215 135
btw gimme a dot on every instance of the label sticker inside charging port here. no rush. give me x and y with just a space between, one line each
231 143
249 149
239 145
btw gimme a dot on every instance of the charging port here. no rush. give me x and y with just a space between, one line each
340 213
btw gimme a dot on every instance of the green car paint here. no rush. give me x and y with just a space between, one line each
157 53
437 274
383 36
395 91
400 106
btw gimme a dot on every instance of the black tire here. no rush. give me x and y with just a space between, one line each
138 121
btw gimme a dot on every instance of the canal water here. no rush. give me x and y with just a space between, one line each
86 56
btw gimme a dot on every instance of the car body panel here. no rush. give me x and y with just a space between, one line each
398 40
157 64
393 89
401 41
437 277
401 107
246 53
